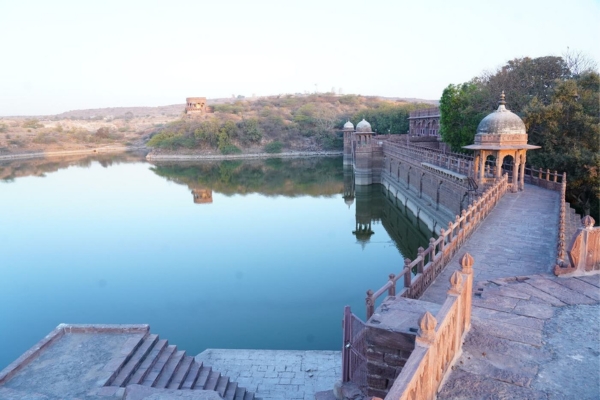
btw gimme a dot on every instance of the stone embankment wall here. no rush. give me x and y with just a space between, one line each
438 180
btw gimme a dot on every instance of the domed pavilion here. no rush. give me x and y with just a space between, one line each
502 135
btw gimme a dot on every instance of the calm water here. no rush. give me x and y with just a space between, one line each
260 255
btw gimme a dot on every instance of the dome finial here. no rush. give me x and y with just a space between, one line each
502 99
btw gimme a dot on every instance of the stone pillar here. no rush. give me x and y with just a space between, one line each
522 171
515 177
481 167
499 161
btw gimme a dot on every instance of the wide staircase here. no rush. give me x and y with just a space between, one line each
155 363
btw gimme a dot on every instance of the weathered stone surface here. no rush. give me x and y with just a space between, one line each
540 295
463 385
509 331
572 336
501 368
74 364
591 279
580 286
12 394
561 292
508 318
138 392
495 303
535 309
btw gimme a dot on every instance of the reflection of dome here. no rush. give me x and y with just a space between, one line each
349 201
501 121
349 125
363 126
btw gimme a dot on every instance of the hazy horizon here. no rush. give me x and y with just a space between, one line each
69 55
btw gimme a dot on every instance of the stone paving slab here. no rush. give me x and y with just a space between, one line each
551 353
580 286
561 292
278 374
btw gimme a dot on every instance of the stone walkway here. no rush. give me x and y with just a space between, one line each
533 337
278 374
517 238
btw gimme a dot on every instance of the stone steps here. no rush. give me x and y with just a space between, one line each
155 363
572 223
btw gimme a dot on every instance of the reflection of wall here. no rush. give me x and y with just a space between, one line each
348 185
405 229
202 196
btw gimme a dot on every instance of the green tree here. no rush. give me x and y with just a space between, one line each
462 107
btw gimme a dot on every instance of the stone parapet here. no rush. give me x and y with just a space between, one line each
438 341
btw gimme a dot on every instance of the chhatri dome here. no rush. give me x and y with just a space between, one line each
348 125
363 126
501 121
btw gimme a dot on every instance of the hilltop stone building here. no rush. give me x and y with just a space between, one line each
196 107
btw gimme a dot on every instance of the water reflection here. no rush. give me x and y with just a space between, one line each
270 263
12 169
271 177
375 205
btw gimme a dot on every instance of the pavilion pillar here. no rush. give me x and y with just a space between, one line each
482 168
522 171
499 160
515 177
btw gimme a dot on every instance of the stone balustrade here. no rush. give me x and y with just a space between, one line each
431 261
438 342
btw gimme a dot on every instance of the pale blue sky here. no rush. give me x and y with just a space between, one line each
62 55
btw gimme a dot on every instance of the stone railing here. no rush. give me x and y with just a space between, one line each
438 342
545 178
562 222
456 162
431 261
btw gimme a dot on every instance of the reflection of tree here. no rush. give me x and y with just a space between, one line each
11 169
286 177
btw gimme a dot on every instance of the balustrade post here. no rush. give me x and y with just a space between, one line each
555 176
421 263
370 302
407 273
442 243
392 289
547 174
346 339
450 232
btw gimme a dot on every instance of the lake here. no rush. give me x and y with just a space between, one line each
229 254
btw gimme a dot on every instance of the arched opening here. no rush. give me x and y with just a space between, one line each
507 166
490 166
